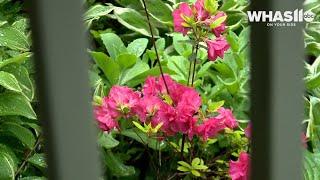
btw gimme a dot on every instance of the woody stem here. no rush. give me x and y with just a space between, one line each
155 46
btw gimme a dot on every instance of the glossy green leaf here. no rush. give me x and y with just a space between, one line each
151 72
139 68
160 11
116 166
113 44
313 81
13 38
33 178
107 141
8 81
138 46
5 149
107 65
204 68
141 137
20 132
22 75
15 104
97 11
181 47
311 165
134 21
17 59
39 161
126 61
7 171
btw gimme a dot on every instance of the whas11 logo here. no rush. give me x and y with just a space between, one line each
281 18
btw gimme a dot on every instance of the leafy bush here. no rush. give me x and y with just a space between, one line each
125 54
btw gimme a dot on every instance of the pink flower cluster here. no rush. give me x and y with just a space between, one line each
202 17
240 170
176 111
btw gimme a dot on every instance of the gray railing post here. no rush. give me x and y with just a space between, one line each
277 90
62 67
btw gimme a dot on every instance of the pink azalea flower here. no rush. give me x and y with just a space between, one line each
201 13
304 140
147 108
240 170
217 47
218 30
104 118
172 85
247 131
210 128
150 87
166 115
121 100
226 115
178 20
190 101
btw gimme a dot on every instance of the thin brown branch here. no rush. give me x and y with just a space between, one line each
29 155
155 46
194 65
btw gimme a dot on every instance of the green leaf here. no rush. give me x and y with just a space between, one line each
195 173
13 39
96 11
313 81
8 81
39 161
138 46
214 106
211 6
107 141
110 69
125 61
141 137
311 166
204 68
201 167
178 64
113 44
134 21
184 164
15 104
33 178
183 169
117 167
151 72
139 68
7 171
22 75
216 23
21 25
140 127
160 11
233 42
195 161
181 48
17 59
20 132
5 149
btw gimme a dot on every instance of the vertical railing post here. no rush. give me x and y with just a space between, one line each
277 91
62 68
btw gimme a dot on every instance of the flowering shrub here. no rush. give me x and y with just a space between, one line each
171 92
164 111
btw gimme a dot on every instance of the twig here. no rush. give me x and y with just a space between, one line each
194 65
29 154
182 146
155 46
